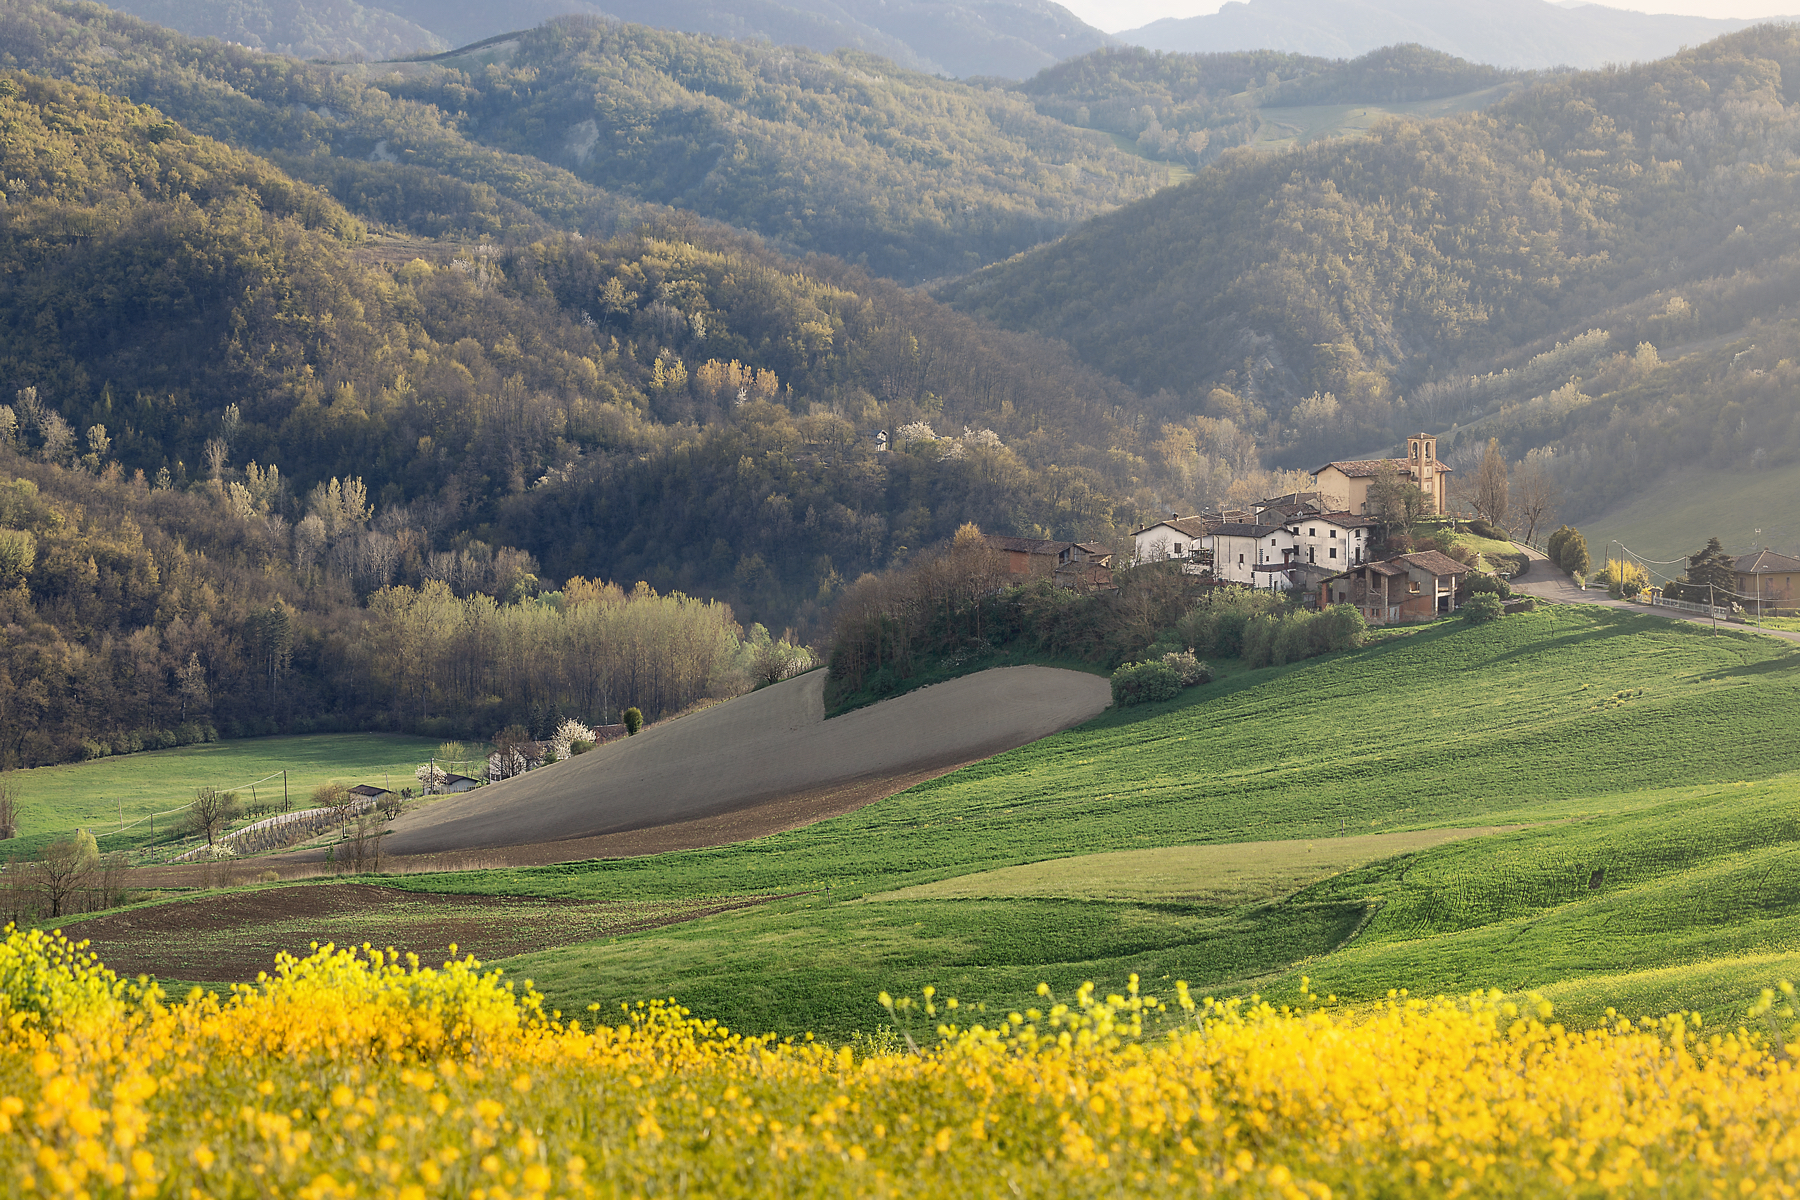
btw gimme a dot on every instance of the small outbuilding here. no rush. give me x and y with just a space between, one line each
1410 587
366 796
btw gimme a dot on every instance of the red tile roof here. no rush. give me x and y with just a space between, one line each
1364 468
1436 563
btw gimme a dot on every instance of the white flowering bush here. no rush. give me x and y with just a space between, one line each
567 734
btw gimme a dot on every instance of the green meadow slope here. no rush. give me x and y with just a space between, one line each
1620 739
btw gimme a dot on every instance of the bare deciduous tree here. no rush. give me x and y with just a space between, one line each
1537 494
212 812
1489 492
9 809
64 869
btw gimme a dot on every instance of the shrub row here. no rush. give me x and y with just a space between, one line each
186 734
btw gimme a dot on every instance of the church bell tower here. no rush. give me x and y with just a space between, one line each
1422 462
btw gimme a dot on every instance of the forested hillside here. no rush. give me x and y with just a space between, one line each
1333 297
226 358
302 28
1009 39
910 176
1193 107
1003 38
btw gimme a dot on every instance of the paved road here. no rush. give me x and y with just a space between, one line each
1546 582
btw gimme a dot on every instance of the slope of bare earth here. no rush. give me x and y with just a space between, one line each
764 761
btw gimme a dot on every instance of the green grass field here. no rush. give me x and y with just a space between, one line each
1277 822
102 794
1582 717
1228 873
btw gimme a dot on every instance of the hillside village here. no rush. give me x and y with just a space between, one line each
1327 545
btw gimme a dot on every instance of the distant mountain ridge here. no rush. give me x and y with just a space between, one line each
301 28
1010 39
1505 33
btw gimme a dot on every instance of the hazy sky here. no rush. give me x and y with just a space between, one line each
1114 15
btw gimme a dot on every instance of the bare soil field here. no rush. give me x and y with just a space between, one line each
758 765
763 762
1232 873
229 937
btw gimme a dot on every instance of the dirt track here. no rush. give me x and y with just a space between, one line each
765 761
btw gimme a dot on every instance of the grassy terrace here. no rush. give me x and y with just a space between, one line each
1600 729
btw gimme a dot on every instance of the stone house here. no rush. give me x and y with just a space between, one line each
1409 587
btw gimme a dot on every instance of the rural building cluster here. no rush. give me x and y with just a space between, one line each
1322 543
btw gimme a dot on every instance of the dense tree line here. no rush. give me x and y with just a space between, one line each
957 607
135 615
454 665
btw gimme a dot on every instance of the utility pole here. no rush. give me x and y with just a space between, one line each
1712 608
284 793
1757 576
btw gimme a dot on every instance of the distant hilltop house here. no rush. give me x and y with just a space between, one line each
457 783
1079 566
1346 481
1408 587
1768 581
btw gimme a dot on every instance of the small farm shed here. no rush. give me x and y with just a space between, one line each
1411 587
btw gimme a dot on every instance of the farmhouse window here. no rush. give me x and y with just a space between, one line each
1334 552
1334 533
1178 548
1240 560
1310 557
1312 533
1413 587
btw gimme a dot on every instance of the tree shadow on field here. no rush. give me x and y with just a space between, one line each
1768 666
1563 641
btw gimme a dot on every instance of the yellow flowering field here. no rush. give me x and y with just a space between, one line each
351 1074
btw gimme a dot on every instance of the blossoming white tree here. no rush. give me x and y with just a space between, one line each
568 733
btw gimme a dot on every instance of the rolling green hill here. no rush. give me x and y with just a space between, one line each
1602 731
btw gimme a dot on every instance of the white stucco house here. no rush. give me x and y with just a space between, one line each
1336 540
1178 537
